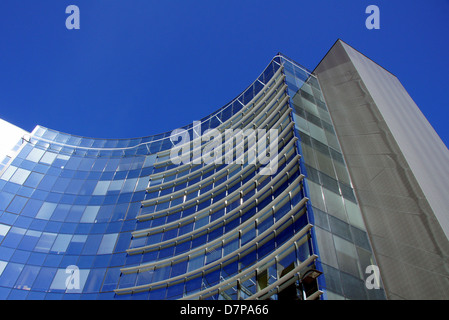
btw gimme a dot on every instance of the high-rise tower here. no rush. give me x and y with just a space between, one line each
302 187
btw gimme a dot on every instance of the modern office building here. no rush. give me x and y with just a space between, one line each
354 178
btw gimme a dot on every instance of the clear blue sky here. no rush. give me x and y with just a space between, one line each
141 67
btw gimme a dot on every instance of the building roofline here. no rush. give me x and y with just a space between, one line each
340 40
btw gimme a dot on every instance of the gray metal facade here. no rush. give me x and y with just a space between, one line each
398 167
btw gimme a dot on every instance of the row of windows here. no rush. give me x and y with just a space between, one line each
223 224
235 176
49 279
67 185
47 156
69 211
244 260
159 211
191 175
37 241
168 166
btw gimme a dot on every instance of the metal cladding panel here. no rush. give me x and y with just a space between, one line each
398 168
421 146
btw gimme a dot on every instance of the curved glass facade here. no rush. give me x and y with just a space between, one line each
84 218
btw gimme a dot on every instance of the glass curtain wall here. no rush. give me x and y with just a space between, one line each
85 218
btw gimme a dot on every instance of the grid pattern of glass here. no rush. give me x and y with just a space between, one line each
345 249
84 218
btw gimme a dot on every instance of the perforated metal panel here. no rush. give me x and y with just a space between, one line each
389 148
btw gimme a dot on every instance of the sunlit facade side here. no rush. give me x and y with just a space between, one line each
341 234
130 224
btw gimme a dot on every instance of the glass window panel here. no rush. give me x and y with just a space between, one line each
13 238
329 183
20 176
211 278
116 185
129 185
60 160
86 164
73 163
75 214
111 279
102 188
10 274
90 214
213 255
340 228
353 288
347 192
195 262
201 222
161 273
35 155
354 215
2 266
316 195
61 185
30 240
47 182
92 243
321 218
76 244
100 164
332 275
361 238
9 172
34 179
317 133
346 256
60 212
334 204
231 246
27 277
248 234
301 123
48 158
5 199
107 243
88 187
44 279
46 210
342 173
62 277
4 230
332 140
345 246
94 280
45 242
179 268
325 164
193 285
74 186
326 246
61 243
142 184
17 205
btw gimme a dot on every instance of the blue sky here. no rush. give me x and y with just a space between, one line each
141 67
